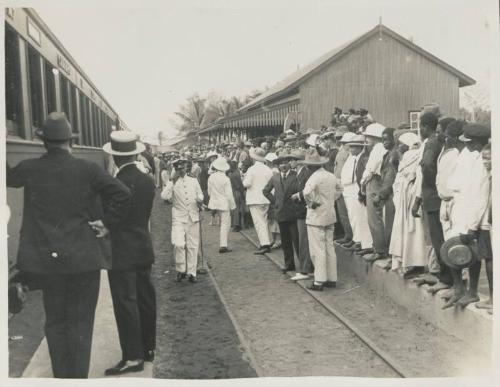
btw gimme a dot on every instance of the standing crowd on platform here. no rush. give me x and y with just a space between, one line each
420 203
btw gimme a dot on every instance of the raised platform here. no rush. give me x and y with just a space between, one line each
455 321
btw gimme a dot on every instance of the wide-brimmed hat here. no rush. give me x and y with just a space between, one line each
248 143
374 130
220 164
356 140
211 154
313 158
179 160
258 154
474 130
409 139
123 143
287 157
56 128
347 137
457 255
312 140
271 157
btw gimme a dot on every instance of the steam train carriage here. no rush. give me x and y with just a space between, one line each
42 77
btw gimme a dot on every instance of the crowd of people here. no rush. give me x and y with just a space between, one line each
418 201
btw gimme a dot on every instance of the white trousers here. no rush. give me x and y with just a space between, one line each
259 217
359 221
186 240
322 253
225 224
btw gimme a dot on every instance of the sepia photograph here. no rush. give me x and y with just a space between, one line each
204 190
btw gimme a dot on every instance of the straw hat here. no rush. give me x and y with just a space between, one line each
271 157
258 154
313 158
356 140
457 255
123 143
347 137
409 139
374 130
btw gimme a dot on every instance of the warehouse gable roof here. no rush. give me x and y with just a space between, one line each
294 80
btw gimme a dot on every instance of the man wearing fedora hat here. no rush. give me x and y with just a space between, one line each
132 291
256 178
221 199
184 192
318 193
63 241
284 184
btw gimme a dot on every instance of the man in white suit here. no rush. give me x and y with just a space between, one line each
221 199
255 180
186 196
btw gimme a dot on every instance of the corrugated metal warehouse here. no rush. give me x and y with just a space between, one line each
380 71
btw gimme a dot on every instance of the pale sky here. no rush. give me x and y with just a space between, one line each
147 57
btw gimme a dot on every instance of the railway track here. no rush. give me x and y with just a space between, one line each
392 363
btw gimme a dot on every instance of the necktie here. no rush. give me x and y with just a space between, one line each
354 170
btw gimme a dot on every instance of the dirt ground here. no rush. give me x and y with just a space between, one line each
195 336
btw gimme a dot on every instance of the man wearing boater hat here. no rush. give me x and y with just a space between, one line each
184 192
132 291
63 244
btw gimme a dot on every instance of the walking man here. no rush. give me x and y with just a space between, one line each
63 241
185 194
132 291
255 180
221 199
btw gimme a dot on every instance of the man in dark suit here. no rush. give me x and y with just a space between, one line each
429 199
62 241
285 184
304 264
133 293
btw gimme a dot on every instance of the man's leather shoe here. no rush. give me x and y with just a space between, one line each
201 271
375 257
236 229
180 277
348 244
263 250
192 279
342 241
316 287
223 250
330 284
149 356
126 366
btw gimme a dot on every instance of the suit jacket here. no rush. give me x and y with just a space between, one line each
61 195
332 155
430 197
302 177
286 208
130 241
389 170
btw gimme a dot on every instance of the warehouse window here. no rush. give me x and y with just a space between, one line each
13 96
35 86
414 120
50 87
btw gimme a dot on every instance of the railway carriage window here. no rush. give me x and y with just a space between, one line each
35 86
13 98
84 117
65 97
74 109
50 88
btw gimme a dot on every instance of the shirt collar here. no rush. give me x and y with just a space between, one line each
123 166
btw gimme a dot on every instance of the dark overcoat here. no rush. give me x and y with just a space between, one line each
430 198
61 195
131 241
